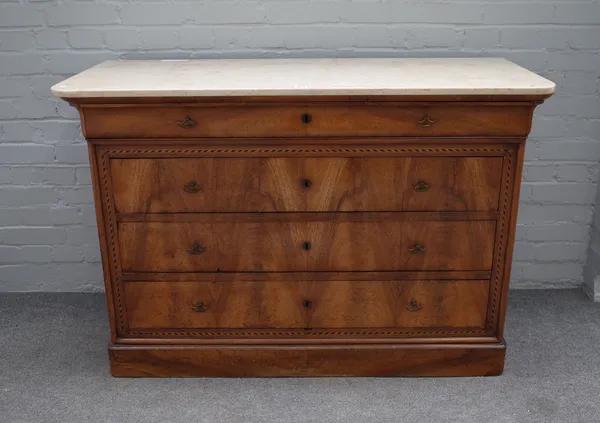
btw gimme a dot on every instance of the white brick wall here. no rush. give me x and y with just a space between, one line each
47 226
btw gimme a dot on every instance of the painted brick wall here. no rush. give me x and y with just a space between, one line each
48 237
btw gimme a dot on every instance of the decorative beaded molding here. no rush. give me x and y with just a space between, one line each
304 150
503 222
112 241
310 333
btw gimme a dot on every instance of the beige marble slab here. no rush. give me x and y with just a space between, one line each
299 77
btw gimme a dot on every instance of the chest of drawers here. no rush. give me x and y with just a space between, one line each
355 218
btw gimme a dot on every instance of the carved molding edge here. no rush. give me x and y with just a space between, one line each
109 223
242 333
498 273
353 150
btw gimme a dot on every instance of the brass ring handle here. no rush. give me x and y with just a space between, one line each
306 246
200 307
187 122
414 306
191 187
426 122
306 118
422 186
417 249
196 249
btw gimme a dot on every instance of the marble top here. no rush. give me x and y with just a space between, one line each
299 77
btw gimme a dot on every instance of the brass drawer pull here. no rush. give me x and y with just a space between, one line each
422 186
306 246
414 306
187 122
306 183
307 303
426 122
200 307
306 118
191 187
196 249
417 249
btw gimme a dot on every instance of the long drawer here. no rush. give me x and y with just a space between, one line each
306 184
268 121
335 304
305 242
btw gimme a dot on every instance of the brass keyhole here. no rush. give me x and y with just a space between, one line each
306 183
187 122
307 303
199 307
196 249
191 187
422 186
417 249
426 122
414 306
306 245
306 118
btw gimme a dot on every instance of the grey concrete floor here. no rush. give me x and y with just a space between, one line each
54 368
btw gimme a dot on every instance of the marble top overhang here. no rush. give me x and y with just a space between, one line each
304 77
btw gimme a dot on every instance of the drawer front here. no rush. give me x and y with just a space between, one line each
194 121
336 304
306 184
253 243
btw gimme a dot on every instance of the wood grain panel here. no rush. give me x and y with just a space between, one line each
268 121
301 360
232 244
306 184
307 304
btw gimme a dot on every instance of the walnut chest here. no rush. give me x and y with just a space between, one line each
306 217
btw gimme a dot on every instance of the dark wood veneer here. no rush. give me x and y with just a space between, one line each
307 304
302 360
306 184
375 308
267 121
334 242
